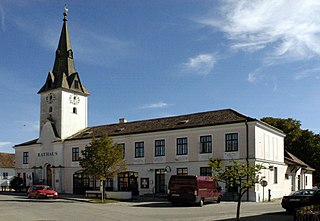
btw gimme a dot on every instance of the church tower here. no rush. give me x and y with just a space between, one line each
64 99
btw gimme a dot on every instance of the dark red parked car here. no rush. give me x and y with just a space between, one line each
42 191
193 189
300 198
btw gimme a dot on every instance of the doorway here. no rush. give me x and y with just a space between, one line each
49 175
128 181
160 186
80 183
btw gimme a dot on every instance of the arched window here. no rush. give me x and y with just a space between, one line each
74 110
50 109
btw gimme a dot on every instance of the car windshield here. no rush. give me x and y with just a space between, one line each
304 192
44 188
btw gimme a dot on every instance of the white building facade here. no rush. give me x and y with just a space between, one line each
153 149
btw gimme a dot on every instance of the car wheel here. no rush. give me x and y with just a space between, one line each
201 202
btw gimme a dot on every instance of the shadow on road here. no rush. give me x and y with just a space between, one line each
22 198
278 216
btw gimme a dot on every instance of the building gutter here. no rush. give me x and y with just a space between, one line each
247 156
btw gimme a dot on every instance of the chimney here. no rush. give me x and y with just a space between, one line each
122 120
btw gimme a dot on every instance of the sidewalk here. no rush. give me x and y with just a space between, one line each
83 198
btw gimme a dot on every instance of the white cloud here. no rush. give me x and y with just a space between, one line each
290 29
252 76
5 144
160 104
201 64
315 72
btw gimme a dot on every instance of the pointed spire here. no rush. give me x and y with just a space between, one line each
64 56
63 68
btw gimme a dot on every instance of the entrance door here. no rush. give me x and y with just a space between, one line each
160 186
80 183
49 175
128 181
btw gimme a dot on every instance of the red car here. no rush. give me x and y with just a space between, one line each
42 191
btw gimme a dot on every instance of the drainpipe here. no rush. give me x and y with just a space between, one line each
247 156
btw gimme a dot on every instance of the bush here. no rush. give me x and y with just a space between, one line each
17 184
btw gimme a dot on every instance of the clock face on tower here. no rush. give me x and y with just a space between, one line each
74 99
50 98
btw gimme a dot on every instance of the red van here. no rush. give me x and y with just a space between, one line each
193 189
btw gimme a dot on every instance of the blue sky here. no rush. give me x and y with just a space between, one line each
144 59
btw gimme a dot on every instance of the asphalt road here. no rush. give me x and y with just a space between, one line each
16 208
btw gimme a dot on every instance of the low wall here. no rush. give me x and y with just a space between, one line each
118 195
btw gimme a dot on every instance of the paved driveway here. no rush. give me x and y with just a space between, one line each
20 208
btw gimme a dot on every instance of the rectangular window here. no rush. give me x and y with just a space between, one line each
182 146
231 142
275 169
25 158
76 84
160 147
182 171
123 146
75 154
206 144
139 149
306 180
5 175
205 171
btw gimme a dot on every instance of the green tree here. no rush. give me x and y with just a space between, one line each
102 159
238 175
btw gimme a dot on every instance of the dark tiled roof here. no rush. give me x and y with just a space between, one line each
7 160
291 159
27 143
203 119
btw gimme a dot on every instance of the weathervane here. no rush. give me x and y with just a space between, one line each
65 13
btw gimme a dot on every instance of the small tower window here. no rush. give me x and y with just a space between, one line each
76 84
74 110
50 109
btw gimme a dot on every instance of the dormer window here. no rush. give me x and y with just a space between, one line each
76 84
